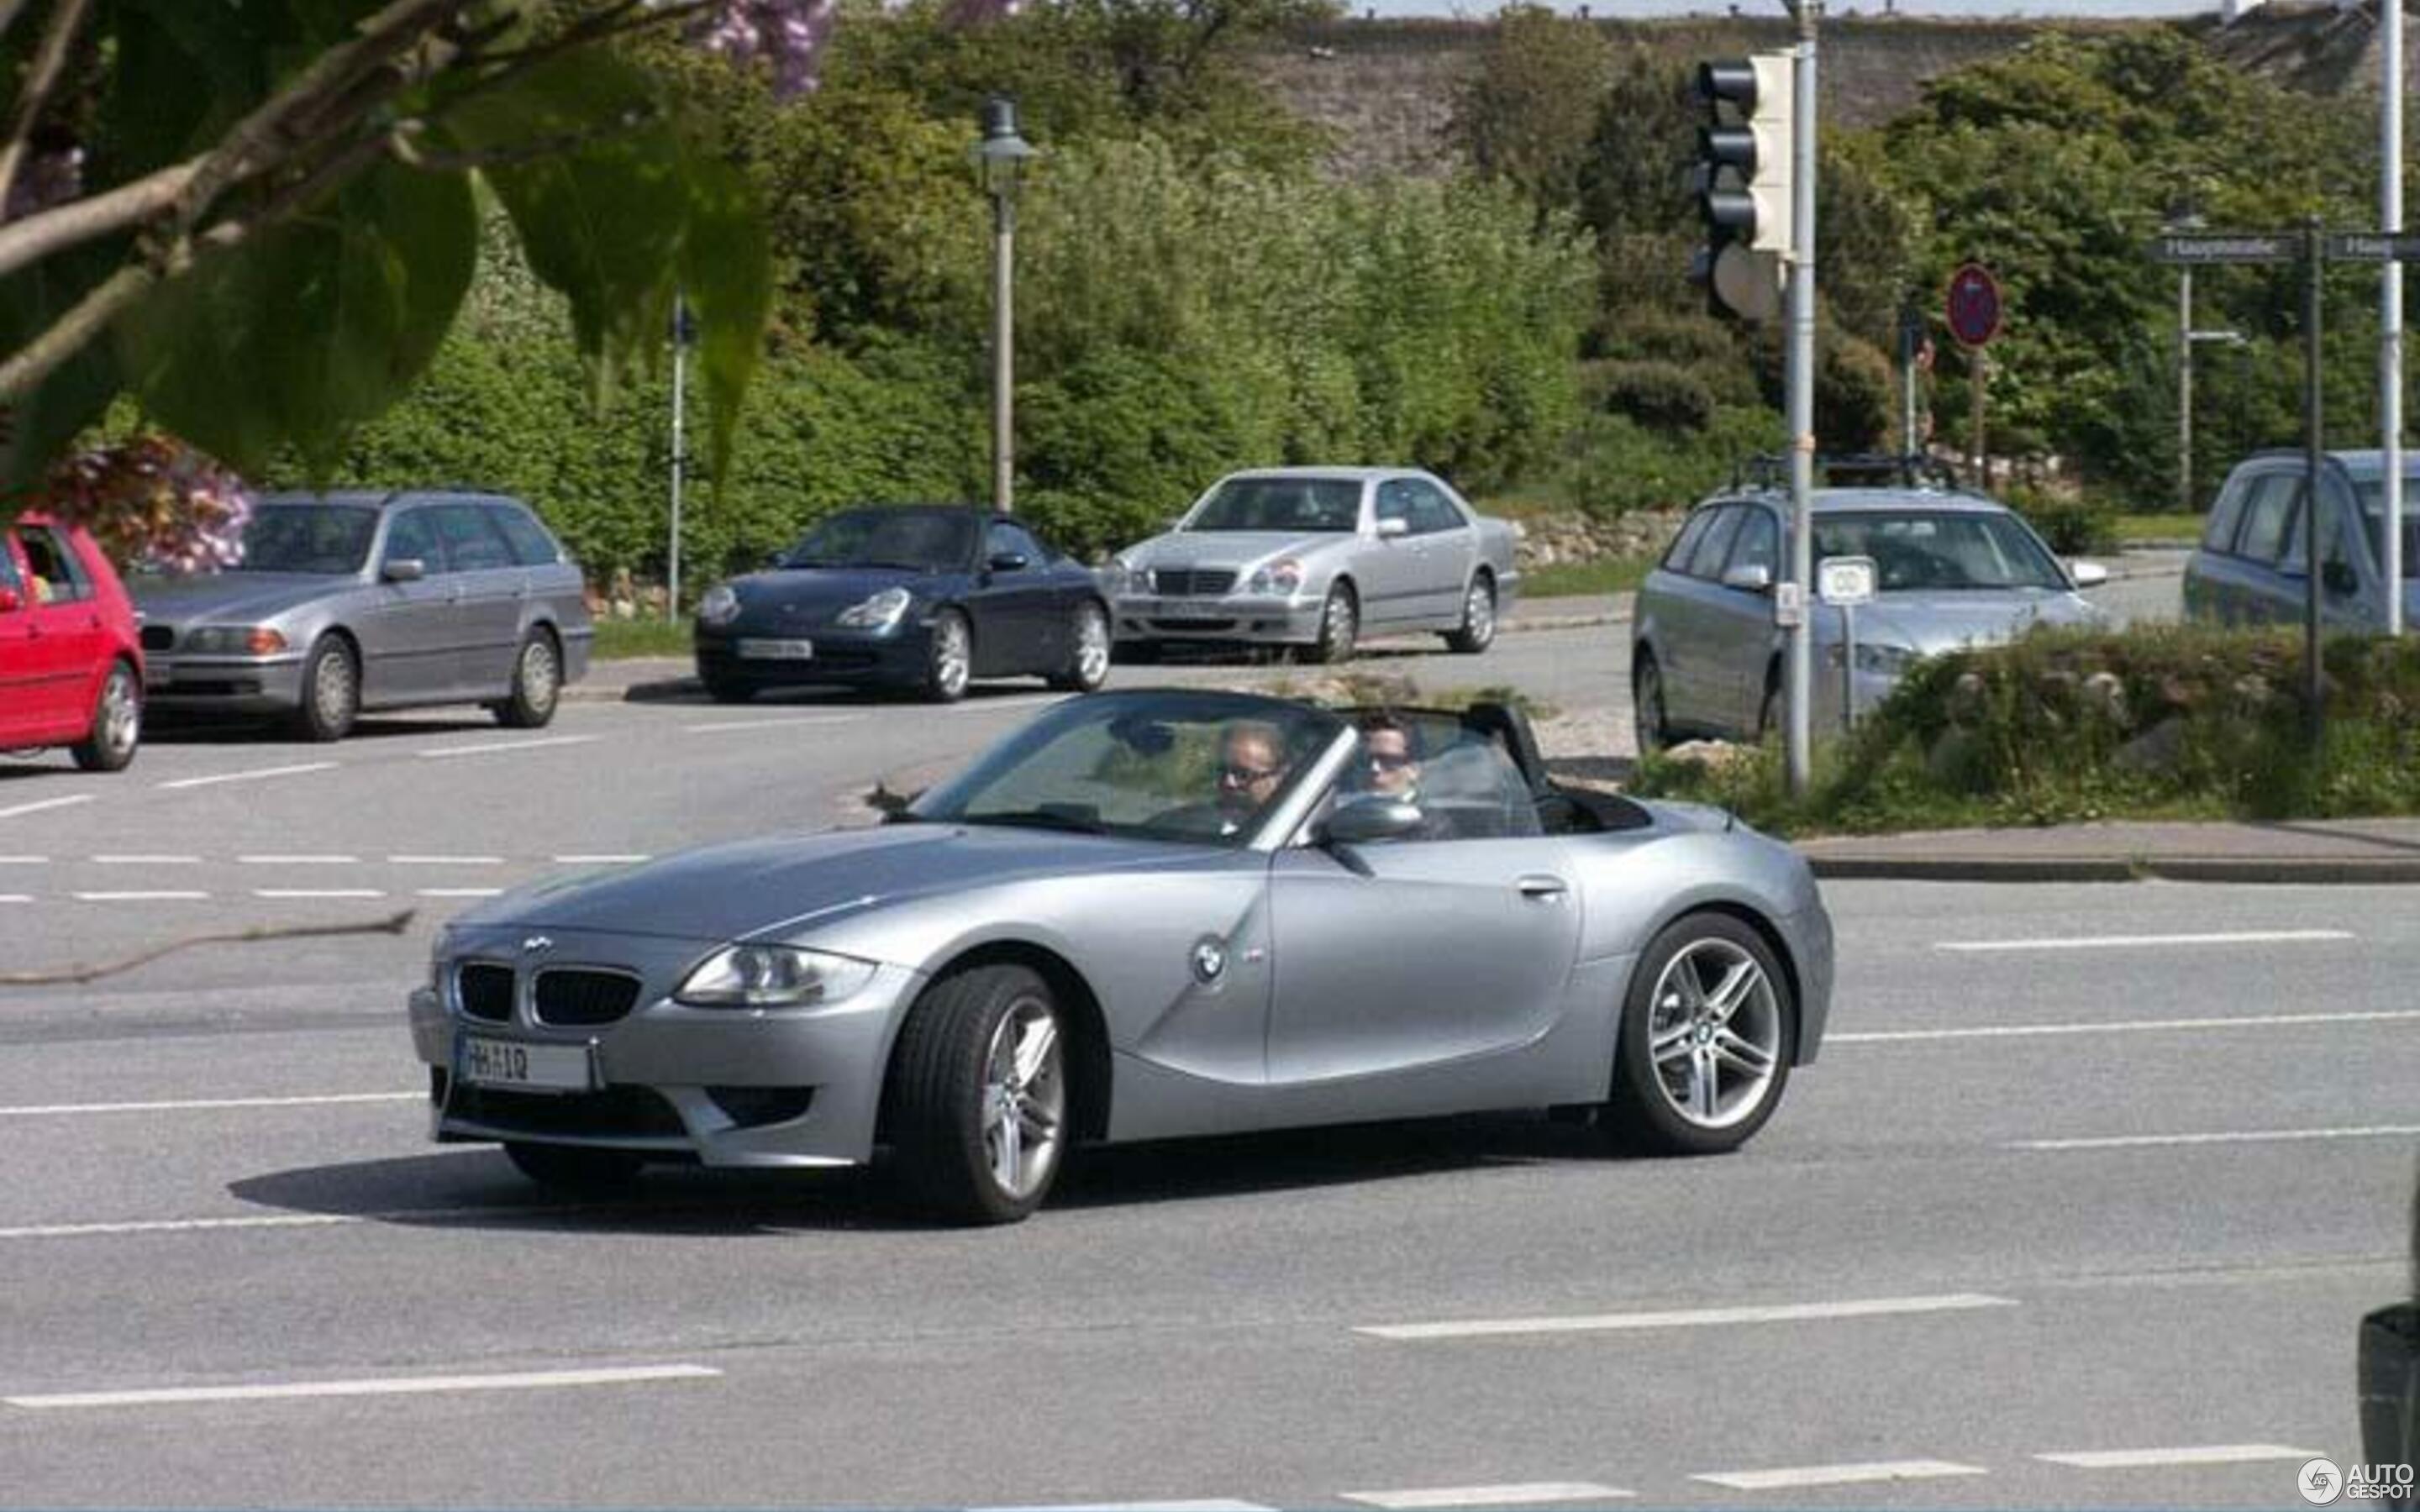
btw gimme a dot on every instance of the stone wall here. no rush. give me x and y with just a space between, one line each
1547 540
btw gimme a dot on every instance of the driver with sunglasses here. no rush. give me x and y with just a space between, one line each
1391 753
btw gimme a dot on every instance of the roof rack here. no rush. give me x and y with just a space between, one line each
1835 470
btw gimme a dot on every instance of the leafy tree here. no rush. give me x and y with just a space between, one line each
1527 116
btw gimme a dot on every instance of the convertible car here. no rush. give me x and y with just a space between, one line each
1143 915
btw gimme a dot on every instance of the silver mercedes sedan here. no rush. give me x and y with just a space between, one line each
1145 914
1318 558
344 602
1950 569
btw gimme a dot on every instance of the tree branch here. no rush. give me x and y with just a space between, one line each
50 60
26 242
77 976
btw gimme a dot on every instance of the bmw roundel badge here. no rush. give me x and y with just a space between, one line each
1209 959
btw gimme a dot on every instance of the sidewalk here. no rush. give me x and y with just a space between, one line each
2320 851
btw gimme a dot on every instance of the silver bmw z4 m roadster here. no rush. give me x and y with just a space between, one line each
1143 915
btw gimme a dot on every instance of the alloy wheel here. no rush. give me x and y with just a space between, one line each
1092 648
540 680
121 717
1024 1099
1715 1033
1478 612
331 689
951 662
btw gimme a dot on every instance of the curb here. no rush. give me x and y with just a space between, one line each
2331 871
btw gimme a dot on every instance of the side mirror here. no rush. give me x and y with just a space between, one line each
1750 577
1389 529
9 602
404 570
1364 820
1007 562
2088 574
2339 578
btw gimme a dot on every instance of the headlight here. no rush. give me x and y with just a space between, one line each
772 975
720 605
234 640
1118 575
879 612
1885 661
1283 576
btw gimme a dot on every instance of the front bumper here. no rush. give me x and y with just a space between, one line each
769 1087
851 657
234 685
1255 619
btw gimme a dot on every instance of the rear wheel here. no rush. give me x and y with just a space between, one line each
949 663
1477 630
575 1168
116 724
1647 706
1339 626
538 685
1708 1032
1088 653
332 691
979 1096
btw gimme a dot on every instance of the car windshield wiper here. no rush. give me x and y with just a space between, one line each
1038 819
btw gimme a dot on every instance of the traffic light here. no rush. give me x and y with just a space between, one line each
1741 180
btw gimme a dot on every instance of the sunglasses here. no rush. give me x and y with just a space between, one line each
1236 776
1389 760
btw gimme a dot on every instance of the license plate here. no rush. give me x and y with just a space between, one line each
777 650
544 1068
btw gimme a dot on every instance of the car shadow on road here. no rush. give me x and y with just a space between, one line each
475 1187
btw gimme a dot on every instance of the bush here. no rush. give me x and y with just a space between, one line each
1613 465
2073 525
1660 395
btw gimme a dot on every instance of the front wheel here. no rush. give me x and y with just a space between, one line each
1654 731
116 724
1708 1031
1088 653
1477 630
1339 626
578 1169
538 685
950 660
332 691
978 1096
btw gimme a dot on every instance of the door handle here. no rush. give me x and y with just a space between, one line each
1542 888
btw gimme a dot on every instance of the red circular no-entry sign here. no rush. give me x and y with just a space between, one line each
1973 304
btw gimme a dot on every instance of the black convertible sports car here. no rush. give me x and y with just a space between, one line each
928 597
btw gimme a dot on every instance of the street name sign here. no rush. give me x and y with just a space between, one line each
2371 247
2225 247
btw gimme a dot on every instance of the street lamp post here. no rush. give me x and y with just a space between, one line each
1000 157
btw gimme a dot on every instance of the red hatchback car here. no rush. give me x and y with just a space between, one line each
70 662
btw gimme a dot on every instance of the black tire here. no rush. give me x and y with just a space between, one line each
537 683
578 1169
1652 726
1339 626
942 1080
1087 660
949 658
726 688
1768 714
116 724
1646 1112
1477 630
331 690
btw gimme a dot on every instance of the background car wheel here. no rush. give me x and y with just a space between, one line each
1088 658
1647 706
724 689
332 691
116 724
1768 714
950 661
538 685
978 1096
575 1167
1339 625
1708 1032
1477 630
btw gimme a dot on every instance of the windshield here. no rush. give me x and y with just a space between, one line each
1931 550
920 540
1290 504
333 540
1199 767
2373 518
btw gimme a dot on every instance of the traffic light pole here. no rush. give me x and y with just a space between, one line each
1801 381
2314 442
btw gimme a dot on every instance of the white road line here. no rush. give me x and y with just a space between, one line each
257 775
2261 1136
181 1226
2010 1031
299 861
25 860
493 748
2110 942
459 892
290 894
1518 1495
445 861
381 1386
987 705
16 897
141 897
1807 1475
601 861
1212 1506
793 720
1693 1318
44 803
207 1105
147 860
2210 1454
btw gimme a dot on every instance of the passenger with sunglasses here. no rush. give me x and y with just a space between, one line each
1391 753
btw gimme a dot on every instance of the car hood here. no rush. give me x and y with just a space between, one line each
1230 548
784 884
813 595
231 596
1933 622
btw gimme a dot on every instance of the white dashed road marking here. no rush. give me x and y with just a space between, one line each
1865 1475
44 805
2211 1454
1697 1318
792 722
459 892
445 861
601 861
141 897
209 1105
288 893
383 1386
259 775
146 861
2012 1031
1216 1504
2113 942
299 861
493 748
1530 1495
2253 1136
16 898
25 860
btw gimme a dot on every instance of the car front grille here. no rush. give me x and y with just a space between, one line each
571 996
485 990
1193 582
158 636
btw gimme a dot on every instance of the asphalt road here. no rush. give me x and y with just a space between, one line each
2079 1207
